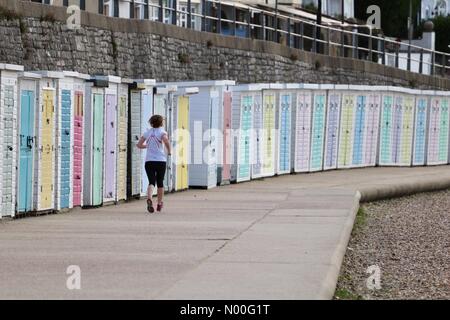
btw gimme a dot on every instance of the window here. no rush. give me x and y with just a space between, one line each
138 11
442 10
106 8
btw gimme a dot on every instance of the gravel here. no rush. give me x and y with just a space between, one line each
409 240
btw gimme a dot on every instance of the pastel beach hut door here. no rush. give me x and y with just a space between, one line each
110 146
93 143
284 134
140 108
257 164
65 150
332 130
45 169
386 130
28 85
405 157
372 129
359 131
182 143
346 130
303 131
243 172
444 132
78 124
420 132
122 143
227 152
318 131
269 140
8 137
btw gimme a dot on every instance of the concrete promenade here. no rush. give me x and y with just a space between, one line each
277 238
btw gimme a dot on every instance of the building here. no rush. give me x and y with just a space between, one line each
433 8
332 8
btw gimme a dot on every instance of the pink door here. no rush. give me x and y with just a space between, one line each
110 147
226 175
78 149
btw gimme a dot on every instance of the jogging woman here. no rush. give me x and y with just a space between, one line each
154 140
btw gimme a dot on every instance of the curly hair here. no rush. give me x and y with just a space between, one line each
156 121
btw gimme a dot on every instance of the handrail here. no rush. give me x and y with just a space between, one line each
273 26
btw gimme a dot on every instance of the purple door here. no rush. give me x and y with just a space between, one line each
110 147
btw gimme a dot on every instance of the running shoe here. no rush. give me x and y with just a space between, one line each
150 206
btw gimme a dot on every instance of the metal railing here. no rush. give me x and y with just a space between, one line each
288 29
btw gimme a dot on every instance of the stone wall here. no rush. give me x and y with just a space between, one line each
37 37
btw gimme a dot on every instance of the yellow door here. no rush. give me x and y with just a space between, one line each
122 170
47 150
269 118
182 143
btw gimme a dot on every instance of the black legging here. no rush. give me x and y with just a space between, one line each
155 172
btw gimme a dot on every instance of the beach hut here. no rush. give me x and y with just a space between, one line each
110 138
332 129
78 97
286 99
397 127
163 104
45 168
245 98
438 129
122 139
28 107
265 124
206 127
181 139
318 127
94 119
359 125
8 137
302 128
141 105
421 127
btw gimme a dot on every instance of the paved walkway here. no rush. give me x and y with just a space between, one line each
278 238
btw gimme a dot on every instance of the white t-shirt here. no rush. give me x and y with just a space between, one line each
155 145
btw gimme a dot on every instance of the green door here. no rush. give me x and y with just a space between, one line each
97 175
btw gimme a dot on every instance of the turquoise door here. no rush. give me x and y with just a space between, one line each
443 134
285 133
244 143
318 133
65 133
26 145
386 131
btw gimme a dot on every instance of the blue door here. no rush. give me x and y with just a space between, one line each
317 139
26 145
419 143
65 148
285 131
359 131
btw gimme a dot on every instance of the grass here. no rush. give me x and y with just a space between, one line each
360 220
344 294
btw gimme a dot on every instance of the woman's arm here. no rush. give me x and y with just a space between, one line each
166 141
141 143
